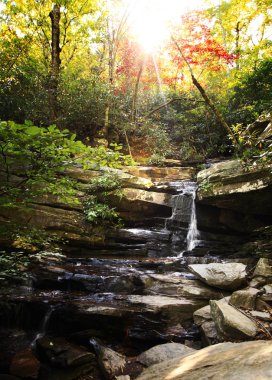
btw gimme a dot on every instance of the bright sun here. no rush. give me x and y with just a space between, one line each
150 19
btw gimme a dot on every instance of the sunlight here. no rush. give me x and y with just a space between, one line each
150 20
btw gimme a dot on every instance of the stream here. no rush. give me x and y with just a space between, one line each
137 294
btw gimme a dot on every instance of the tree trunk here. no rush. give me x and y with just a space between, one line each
206 98
135 95
55 62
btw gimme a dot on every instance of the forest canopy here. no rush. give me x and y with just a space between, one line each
161 81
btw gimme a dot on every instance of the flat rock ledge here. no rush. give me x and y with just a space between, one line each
230 276
224 361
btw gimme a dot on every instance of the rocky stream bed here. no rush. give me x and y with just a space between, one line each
144 302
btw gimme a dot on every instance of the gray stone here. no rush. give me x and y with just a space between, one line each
231 323
202 315
264 316
244 299
263 268
174 285
164 352
224 276
173 309
231 185
209 333
225 361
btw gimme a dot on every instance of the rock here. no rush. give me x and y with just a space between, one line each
231 323
263 268
224 276
25 365
267 296
123 377
262 305
111 362
209 333
162 352
70 373
8 377
244 299
175 310
233 186
126 179
163 174
63 354
202 315
260 315
225 361
173 285
257 282
136 204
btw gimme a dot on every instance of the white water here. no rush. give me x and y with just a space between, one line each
184 211
41 333
192 235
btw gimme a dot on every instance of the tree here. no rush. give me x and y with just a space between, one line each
195 46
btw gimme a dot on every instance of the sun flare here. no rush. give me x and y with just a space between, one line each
150 20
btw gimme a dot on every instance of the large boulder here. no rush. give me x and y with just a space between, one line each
229 276
230 323
233 185
224 361
162 352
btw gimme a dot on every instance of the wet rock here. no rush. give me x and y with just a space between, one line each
61 353
229 276
11 342
174 309
244 299
209 333
162 352
225 361
111 362
174 285
202 315
25 365
69 373
231 323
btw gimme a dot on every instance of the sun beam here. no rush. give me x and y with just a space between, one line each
150 20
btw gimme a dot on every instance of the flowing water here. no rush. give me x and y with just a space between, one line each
138 292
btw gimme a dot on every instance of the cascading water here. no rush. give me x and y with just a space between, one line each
184 213
193 233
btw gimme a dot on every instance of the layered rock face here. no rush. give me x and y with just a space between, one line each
236 196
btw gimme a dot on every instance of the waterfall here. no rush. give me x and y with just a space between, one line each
183 217
192 234
44 324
